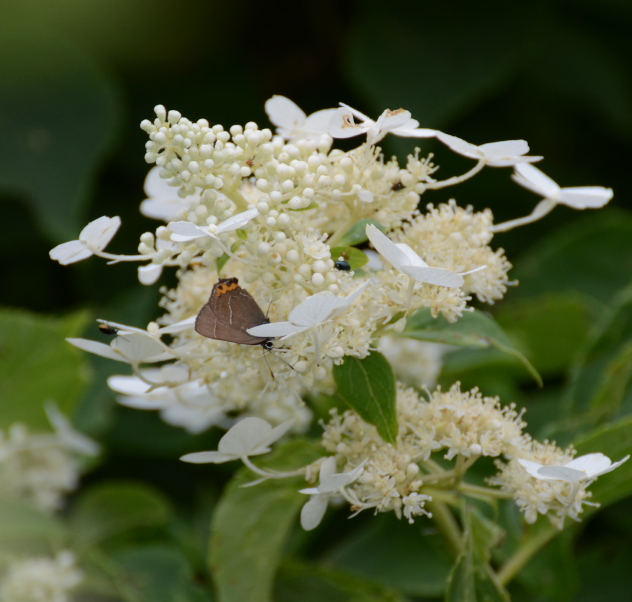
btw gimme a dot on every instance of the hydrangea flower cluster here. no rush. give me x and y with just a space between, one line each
42 468
289 217
40 579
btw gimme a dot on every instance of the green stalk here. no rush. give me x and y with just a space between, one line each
524 553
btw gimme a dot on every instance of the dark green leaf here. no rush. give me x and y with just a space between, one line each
388 79
58 113
158 573
251 525
590 256
111 508
353 256
300 582
37 365
397 555
357 233
368 386
601 380
473 329
549 328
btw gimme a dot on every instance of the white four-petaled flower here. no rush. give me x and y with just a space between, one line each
397 122
292 122
249 437
494 154
584 469
186 231
314 311
330 484
92 239
578 197
404 259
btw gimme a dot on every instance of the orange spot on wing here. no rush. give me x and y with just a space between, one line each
226 288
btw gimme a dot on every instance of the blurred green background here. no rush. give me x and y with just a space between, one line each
78 76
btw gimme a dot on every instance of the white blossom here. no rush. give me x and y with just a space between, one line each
397 122
331 484
292 122
404 259
163 202
92 239
186 231
249 437
314 311
581 197
41 579
495 154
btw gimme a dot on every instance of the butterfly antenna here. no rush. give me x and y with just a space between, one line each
263 350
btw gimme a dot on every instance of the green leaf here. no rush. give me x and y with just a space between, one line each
353 256
600 387
585 257
472 579
59 114
550 328
27 530
109 509
37 364
158 573
368 386
476 70
357 233
473 329
302 582
395 554
251 525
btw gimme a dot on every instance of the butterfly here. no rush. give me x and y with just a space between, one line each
228 314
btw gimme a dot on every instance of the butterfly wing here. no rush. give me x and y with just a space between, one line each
230 311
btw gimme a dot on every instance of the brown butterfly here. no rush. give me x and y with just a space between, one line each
228 314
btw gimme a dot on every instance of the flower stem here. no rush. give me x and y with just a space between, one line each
524 553
447 524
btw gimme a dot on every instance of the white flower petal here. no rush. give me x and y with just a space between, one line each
208 457
98 349
412 258
236 221
185 324
594 465
72 438
436 276
277 432
139 348
460 146
185 231
585 197
318 122
387 248
313 511
284 113
99 233
532 178
246 436
275 329
127 385
342 125
149 274
561 473
70 252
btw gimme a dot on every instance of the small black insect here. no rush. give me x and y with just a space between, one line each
344 266
107 329
397 187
